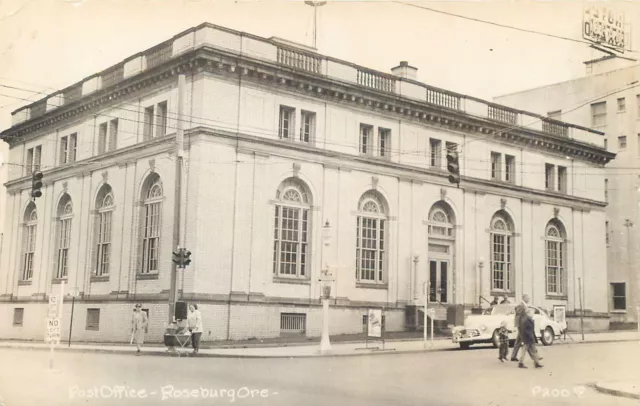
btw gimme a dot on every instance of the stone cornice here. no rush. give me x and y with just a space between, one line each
213 60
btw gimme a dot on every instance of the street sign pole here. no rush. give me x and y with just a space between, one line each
424 322
74 293
57 313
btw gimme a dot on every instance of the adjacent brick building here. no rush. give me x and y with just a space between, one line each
280 140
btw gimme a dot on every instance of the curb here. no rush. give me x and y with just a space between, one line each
600 387
157 352
153 353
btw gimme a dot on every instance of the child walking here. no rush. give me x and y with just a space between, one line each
503 334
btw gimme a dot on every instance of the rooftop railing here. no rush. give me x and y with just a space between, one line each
254 47
443 99
376 81
299 60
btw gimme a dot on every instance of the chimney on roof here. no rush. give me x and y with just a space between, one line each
405 71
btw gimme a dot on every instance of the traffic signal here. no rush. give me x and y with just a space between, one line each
177 257
186 257
453 167
182 257
36 185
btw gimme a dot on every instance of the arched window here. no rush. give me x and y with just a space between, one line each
65 214
371 239
555 258
30 231
291 231
104 207
152 224
440 223
502 273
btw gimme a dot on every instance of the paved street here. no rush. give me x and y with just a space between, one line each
473 377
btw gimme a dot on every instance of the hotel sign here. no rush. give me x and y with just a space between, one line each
604 26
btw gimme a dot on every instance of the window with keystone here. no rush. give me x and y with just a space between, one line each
291 230
556 273
371 239
65 215
501 238
30 231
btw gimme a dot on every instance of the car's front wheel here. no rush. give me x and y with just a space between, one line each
464 346
547 336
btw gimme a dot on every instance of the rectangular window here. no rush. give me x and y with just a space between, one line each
161 120
93 319
435 147
622 142
64 150
510 168
147 131
29 248
501 262
606 144
496 165
370 249
606 190
104 243
384 142
68 149
619 296
622 105
286 122
151 242
562 179
366 138
37 157
606 232
549 176
555 267
638 145
29 161
73 146
293 323
290 242
64 238
18 316
113 134
308 126
102 138
599 114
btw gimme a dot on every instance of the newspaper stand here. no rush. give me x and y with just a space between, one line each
177 339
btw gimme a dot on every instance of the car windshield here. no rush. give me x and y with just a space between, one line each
500 310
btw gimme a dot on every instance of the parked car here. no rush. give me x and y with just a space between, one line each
484 328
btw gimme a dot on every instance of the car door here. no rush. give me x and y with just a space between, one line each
539 320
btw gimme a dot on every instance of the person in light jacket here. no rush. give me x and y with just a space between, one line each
521 313
195 326
139 326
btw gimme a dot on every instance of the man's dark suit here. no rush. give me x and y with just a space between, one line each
521 314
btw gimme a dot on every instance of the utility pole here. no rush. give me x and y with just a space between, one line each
173 289
315 5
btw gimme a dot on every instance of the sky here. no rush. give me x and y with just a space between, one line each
49 44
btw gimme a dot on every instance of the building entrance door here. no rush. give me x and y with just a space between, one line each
439 280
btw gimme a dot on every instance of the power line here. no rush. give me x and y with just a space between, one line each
511 27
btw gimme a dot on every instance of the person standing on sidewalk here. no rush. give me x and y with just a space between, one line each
521 312
139 326
529 340
195 326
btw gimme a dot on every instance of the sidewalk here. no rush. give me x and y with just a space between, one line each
258 350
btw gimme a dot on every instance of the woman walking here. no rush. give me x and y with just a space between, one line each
139 326
195 326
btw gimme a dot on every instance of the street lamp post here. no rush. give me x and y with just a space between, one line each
325 343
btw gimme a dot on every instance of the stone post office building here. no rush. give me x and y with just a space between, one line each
280 140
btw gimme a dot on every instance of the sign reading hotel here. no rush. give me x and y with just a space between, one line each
375 323
603 26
